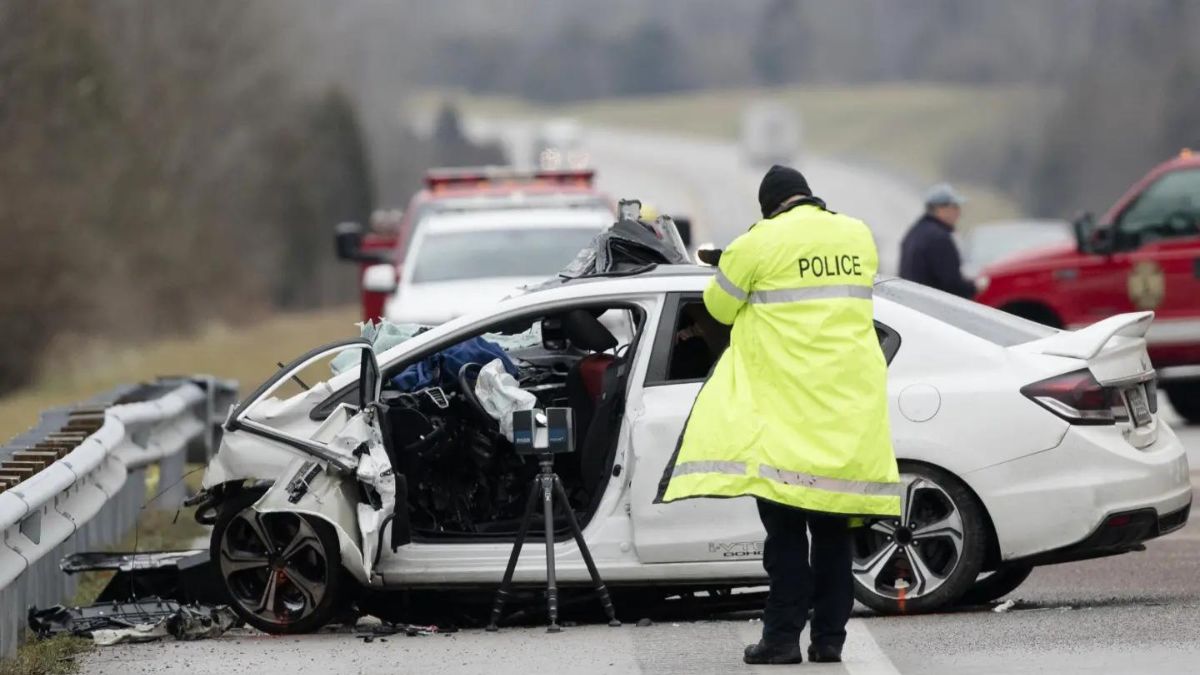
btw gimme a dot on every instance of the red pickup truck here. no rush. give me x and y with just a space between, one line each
1142 254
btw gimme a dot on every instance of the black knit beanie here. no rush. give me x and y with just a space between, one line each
780 183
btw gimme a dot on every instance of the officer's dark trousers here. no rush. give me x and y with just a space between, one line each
826 585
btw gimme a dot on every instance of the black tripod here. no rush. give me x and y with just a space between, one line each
548 485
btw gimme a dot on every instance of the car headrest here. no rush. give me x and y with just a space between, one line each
586 332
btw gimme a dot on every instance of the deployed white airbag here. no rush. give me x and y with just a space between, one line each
501 396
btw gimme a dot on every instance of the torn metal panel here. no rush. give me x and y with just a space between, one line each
82 621
182 576
142 621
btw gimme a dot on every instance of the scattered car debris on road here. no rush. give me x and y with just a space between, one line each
1007 606
372 631
146 620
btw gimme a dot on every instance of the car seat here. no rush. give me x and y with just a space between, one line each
594 385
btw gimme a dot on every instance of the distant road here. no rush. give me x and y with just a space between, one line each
710 181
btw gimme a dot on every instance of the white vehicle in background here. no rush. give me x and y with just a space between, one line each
461 262
771 134
1019 445
986 243
559 144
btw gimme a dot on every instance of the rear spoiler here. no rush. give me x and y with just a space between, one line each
1087 342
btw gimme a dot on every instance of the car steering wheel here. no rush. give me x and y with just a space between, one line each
466 387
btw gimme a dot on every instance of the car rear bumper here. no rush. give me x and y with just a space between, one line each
1118 533
1060 504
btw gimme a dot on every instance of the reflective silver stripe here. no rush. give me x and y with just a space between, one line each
686 468
810 293
855 487
730 287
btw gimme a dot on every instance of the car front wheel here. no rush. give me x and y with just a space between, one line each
930 556
282 571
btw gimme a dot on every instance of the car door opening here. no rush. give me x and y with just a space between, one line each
454 451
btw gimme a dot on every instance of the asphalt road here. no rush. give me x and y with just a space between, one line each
1137 613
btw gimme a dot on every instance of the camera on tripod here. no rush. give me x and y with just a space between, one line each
549 432
546 434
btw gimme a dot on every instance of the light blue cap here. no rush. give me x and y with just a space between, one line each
944 194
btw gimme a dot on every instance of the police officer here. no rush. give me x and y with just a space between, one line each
928 254
795 411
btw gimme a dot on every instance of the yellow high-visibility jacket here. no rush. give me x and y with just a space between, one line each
795 411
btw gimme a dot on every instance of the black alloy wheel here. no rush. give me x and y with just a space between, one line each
931 555
282 571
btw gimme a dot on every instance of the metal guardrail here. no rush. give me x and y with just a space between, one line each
76 481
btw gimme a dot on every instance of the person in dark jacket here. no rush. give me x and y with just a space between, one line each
928 254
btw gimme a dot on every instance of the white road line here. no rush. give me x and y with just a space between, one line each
862 655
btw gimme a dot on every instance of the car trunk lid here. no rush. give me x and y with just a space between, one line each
1114 351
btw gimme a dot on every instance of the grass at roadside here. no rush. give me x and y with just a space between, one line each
55 656
916 130
247 354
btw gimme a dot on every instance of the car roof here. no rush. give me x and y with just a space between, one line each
654 279
516 219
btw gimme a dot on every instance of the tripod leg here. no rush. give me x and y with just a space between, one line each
522 532
601 589
547 483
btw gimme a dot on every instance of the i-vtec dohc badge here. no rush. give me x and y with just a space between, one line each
736 549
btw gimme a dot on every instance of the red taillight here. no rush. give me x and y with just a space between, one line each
1076 397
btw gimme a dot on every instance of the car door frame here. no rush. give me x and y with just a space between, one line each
644 305
368 385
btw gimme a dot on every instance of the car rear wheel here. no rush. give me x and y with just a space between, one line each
997 584
929 557
1185 399
282 571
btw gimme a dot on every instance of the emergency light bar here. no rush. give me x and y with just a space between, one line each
486 176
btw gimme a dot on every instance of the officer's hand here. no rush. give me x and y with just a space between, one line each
709 256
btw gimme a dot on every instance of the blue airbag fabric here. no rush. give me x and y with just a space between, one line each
441 369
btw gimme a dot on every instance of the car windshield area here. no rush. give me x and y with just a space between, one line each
481 254
1169 207
985 322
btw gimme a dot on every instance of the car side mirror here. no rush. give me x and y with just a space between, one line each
1090 238
347 243
1102 240
380 278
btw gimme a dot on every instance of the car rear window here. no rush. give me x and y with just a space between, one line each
985 322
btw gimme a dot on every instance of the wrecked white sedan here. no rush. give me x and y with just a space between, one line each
1019 445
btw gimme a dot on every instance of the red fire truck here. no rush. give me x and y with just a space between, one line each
460 189
1142 254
